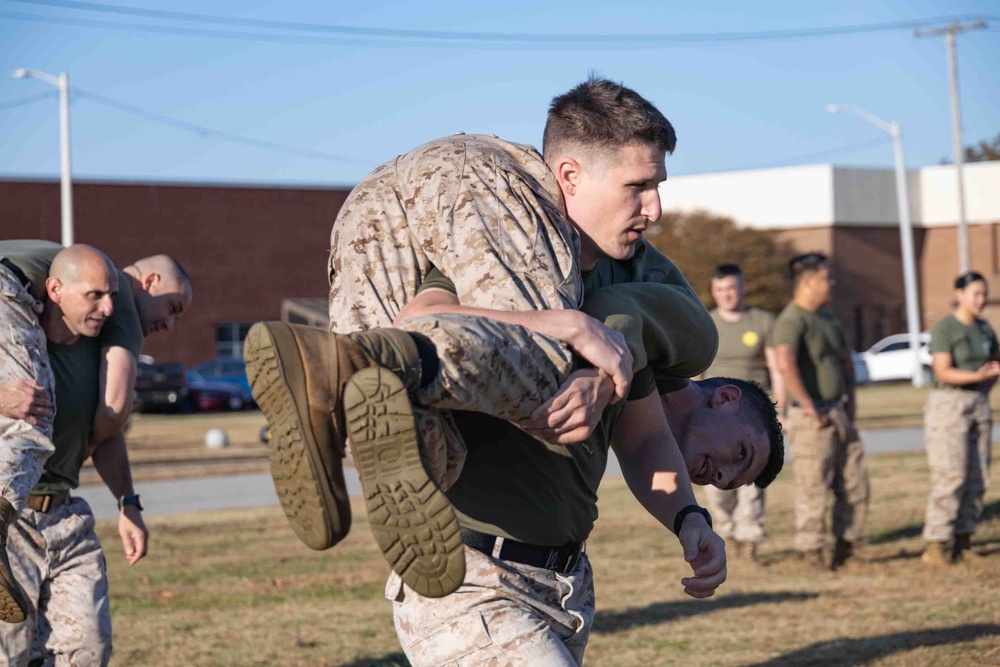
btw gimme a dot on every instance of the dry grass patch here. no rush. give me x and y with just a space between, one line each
237 588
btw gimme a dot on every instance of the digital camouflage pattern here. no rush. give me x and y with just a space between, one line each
57 558
503 614
957 430
488 214
829 459
737 514
23 448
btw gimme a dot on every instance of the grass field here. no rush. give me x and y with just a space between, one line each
236 588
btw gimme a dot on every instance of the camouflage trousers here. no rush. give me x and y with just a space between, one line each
57 558
827 459
737 514
23 448
503 614
483 212
957 431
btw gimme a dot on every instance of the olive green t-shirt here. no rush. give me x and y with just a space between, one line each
34 259
742 345
818 343
518 487
77 372
970 346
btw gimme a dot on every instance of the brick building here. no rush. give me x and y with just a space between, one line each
260 252
852 215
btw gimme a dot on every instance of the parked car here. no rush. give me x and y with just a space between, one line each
890 359
206 395
159 387
227 369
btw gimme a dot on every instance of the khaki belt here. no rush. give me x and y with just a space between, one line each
45 503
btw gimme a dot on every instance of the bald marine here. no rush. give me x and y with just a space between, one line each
80 288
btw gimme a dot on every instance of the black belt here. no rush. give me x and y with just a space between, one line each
559 559
16 270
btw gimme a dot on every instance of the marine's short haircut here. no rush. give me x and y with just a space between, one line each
726 270
756 407
806 264
599 115
968 278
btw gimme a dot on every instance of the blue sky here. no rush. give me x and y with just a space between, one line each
735 104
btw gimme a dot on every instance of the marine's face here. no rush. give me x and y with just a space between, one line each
87 301
161 302
719 448
973 297
820 283
727 293
615 199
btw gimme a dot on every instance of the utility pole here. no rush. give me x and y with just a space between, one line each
949 31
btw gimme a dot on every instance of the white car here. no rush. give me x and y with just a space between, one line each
890 359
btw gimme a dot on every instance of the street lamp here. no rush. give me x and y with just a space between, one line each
62 83
905 231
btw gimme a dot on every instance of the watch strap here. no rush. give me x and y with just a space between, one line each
133 500
679 519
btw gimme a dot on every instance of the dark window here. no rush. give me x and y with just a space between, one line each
229 337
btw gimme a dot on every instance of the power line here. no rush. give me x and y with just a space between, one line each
30 99
800 159
656 39
203 131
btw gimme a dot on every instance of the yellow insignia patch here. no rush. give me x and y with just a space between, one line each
750 338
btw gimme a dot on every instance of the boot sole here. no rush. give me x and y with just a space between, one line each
317 507
412 520
13 602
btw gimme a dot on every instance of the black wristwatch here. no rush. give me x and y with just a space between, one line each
133 500
679 519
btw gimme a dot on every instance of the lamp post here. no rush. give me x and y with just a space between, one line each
905 231
66 186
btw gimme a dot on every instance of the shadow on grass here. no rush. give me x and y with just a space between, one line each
990 511
662 612
392 660
862 651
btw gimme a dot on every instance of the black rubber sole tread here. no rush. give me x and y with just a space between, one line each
299 481
413 522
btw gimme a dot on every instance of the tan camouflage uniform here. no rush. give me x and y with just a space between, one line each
503 614
957 430
57 558
827 459
737 514
23 447
487 214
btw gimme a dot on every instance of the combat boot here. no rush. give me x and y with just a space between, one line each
315 389
961 547
748 551
842 552
935 555
13 600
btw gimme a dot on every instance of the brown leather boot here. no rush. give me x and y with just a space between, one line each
936 555
299 376
13 600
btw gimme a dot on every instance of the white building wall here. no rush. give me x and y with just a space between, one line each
766 198
822 195
868 196
939 186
